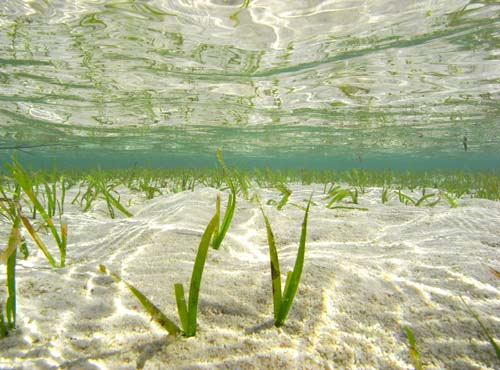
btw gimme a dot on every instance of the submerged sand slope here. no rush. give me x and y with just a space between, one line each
366 275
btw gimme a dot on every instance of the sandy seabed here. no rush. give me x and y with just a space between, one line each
367 274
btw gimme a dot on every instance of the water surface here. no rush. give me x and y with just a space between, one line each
375 84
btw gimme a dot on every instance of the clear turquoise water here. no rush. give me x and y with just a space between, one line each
317 84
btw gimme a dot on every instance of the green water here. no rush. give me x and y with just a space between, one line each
315 84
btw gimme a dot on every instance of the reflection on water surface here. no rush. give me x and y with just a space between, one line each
268 80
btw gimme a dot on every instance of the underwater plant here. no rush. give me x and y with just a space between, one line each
385 194
412 345
336 194
282 300
485 330
406 199
357 179
489 189
103 188
187 312
452 200
99 187
51 197
242 182
10 208
10 255
285 194
23 179
149 185
221 229
156 314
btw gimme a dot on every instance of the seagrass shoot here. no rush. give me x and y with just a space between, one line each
285 195
186 309
385 194
98 187
10 209
23 179
412 346
283 299
406 199
336 194
9 256
221 228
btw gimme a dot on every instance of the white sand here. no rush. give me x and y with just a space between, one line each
366 275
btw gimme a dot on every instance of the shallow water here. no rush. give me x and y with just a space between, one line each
322 84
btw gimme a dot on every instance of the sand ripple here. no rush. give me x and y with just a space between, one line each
367 274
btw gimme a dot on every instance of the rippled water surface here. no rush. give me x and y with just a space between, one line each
376 83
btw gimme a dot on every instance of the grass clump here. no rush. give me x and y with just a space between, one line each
156 314
149 186
8 315
423 200
282 300
385 194
451 199
24 181
412 345
336 194
285 195
10 209
187 312
98 187
221 228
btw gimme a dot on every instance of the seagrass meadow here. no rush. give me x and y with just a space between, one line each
390 270
249 184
